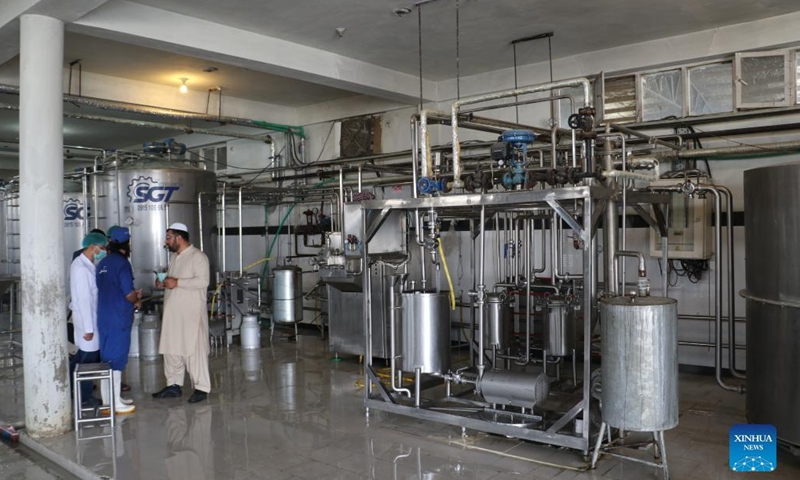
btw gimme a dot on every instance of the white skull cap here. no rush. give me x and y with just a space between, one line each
179 226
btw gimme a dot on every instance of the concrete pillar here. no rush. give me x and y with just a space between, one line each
44 333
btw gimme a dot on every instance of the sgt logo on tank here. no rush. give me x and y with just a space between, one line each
752 448
73 213
149 194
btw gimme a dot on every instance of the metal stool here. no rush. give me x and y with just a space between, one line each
87 372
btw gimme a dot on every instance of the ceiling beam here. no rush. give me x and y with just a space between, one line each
151 27
65 10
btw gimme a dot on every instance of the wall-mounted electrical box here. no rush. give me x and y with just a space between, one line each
689 221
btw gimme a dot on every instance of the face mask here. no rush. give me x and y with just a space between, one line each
100 255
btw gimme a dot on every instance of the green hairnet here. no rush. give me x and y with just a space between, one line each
94 239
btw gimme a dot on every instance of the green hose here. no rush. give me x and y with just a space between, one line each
280 227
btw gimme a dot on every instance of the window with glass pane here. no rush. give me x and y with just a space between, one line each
662 95
797 76
711 89
619 102
564 109
763 80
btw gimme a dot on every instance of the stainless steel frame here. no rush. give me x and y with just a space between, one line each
378 396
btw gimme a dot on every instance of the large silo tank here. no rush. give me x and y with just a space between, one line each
772 219
425 332
640 363
9 233
148 195
75 215
287 294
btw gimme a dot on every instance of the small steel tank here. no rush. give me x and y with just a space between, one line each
149 337
138 316
520 389
287 294
497 330
250 332
640 363
559 327
425 332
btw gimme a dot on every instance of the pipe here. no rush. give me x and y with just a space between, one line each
740 150
392 334
457 182
610 225
731 287
643 136
224 230
717 290
148 124
481 292
414 153
113 105
241 236
638 255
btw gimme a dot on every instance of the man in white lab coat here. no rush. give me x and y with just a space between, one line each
83 291
184 333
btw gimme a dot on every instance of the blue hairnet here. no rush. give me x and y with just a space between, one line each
93 239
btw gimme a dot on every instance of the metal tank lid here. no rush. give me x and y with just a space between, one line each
642 301
288 267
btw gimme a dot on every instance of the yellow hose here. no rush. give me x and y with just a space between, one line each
447 274
216 292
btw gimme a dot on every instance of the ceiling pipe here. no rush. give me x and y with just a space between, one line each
151 110
163 126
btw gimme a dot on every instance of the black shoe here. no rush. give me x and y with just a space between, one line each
171 391
91 402
198 396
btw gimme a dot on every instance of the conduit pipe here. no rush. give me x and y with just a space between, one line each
643 136
147 124
454 113
104 104
740 150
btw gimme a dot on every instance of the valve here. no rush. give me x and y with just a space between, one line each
430 186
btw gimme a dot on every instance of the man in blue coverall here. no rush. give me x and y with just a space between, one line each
116 300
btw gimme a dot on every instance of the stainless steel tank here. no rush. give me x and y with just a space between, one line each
148 195
559 327
149 337
9 237
640 362
497 330
75 215
772 219
287 294
425 332
250 332
520 389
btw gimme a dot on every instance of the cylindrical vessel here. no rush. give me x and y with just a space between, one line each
138 317
640 362
425 332
250 332
771 196
148 195
497 331
559 327
149 336
75 215
287 294
520 389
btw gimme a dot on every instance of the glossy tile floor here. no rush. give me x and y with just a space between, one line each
287 411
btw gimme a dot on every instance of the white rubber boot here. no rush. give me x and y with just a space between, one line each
104 393
120 406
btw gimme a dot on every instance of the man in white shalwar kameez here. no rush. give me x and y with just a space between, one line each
184 332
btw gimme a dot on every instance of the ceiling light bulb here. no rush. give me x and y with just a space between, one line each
183 88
